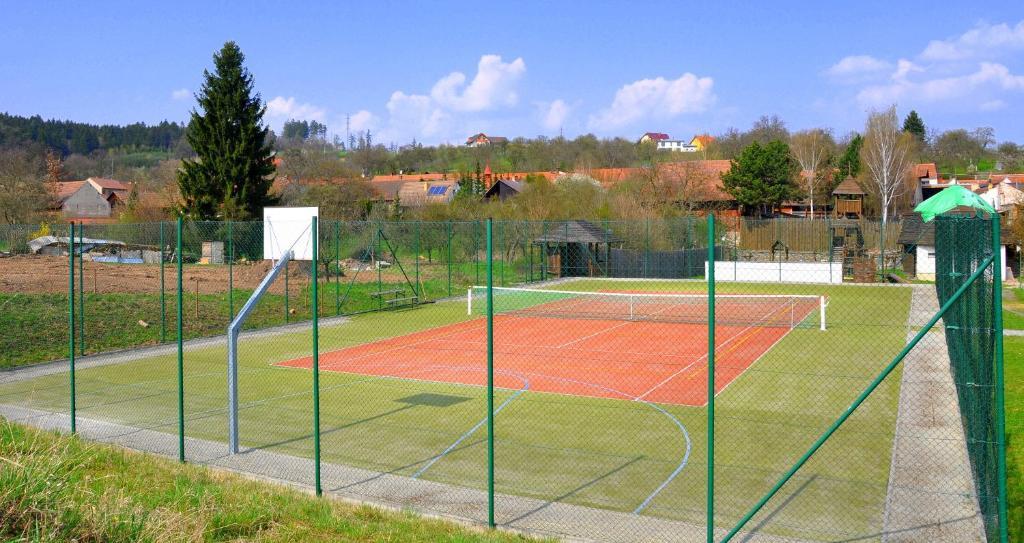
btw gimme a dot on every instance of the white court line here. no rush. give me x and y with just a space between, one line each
704 357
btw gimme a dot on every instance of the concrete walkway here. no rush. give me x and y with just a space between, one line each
931 494
570 522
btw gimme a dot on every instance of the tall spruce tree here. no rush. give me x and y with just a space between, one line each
913 124
232 176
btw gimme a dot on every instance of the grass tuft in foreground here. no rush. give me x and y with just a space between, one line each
59 488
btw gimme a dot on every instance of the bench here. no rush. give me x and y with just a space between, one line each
408 301
396 300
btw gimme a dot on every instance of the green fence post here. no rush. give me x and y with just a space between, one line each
859 400
490 377
997 309
448 227
231 273
316 365
71 317
163 301
476 254
416 261
181 356
376 262
501 251
337 268
711 380
286 315
81 289
647 245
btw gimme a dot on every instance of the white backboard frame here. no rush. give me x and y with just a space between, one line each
287 228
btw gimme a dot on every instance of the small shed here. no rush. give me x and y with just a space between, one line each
575 248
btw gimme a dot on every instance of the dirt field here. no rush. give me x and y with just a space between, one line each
49 274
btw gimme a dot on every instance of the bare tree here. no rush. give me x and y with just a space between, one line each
813 150
23 191
888 156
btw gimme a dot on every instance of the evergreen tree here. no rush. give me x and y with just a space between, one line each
763 176
232 176
914 125
848 164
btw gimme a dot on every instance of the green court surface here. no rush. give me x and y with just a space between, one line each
622 455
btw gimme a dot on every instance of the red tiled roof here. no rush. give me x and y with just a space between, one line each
415 177
110 184
67 188
656 136
926 170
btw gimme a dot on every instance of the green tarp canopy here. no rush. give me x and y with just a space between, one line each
951 198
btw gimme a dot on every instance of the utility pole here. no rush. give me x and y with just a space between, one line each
348 133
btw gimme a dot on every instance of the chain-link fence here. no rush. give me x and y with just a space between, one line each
665 379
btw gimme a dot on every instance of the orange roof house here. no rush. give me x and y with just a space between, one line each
701 142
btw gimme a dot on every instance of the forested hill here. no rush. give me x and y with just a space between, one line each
67 137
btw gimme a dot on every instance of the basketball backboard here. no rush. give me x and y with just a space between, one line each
288 228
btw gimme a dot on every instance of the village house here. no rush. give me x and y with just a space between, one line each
94 200
481 140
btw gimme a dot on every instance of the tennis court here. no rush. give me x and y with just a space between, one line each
586 343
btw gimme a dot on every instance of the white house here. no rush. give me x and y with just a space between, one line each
918 240
677 145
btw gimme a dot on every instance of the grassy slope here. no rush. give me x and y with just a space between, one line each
596 452
64 489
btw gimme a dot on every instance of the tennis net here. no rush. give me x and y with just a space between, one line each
785 310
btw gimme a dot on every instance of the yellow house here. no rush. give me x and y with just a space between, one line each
701 141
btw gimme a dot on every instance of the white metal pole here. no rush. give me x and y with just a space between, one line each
469 301
822 312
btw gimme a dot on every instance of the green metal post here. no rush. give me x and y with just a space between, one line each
490 377
337 270
501 252
163 300
711 380
71 317
997 308
860 399
181 355
416 260
476 254
376 263
448 227
316 365
231 273
286 315
81 290
647 244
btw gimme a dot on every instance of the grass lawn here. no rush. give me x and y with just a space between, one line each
1014 360
64 489
603 453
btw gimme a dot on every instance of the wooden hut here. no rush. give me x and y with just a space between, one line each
575 249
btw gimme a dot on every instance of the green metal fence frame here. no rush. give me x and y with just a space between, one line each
76 342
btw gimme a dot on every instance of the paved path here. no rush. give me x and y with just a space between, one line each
931 493
570 522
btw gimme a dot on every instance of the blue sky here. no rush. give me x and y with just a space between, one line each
440 71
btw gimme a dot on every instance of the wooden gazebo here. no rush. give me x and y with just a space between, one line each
575 248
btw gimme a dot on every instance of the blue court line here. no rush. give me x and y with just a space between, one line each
679 468
526 386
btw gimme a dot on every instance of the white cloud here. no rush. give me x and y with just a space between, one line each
971 89
181 94
992 105
494 85
555 114
361 120
659 97
415 114
281 108
856 66
982 40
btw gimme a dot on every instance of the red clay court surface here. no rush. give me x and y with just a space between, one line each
635 360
